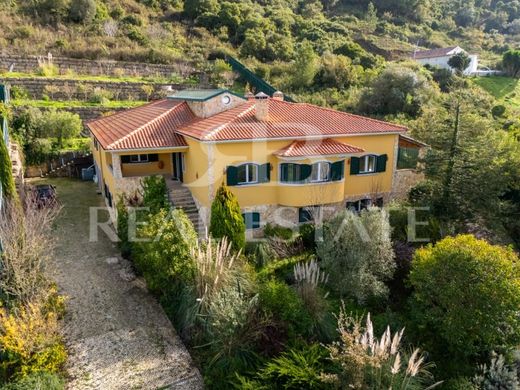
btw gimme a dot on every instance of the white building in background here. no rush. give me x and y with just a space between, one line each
440 58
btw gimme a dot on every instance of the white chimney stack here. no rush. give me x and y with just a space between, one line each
262 107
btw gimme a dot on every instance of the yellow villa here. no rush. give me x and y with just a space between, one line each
280 159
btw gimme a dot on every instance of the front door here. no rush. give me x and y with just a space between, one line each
178 166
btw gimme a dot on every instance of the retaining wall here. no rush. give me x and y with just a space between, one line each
61 89
28 64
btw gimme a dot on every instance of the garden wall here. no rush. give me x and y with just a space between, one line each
28 64
62 89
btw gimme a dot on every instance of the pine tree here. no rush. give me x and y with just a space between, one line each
6 172
226 218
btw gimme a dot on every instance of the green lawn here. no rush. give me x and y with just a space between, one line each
76 103
504 89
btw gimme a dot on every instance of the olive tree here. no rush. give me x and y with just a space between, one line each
356 251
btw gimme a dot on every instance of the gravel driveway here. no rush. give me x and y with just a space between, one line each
117 335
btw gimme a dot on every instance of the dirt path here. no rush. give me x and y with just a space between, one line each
118 336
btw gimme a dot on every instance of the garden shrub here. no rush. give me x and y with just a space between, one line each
282 268
38 380
465 291
308 235
356 251
298 368
6 175
31 341
498 375
155 194
226 218
285 307
82 11
278 231
100 95
365 361
163 254
122 205
259 253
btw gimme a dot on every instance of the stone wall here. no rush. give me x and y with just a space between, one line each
62 89
28 64
404 180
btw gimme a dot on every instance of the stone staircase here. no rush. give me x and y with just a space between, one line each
16 163
180 197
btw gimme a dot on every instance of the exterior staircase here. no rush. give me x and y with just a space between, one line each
16 163
180 197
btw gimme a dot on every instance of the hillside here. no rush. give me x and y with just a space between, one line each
160 31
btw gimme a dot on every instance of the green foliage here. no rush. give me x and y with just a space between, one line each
459 62
154 194
6 175
278 231
285 307
306 66
226 218
163 253
298 368
511 62
459 321
124 202
38 380
397 90
281 268
82 11
308 235
356 252
61 125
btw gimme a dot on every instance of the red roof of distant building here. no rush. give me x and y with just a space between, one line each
442 52
326 147
146 127
286 120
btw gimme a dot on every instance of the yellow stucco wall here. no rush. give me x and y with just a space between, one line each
223 154
205 167
148 168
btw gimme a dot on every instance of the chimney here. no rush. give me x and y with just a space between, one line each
249 96
262 107
278 95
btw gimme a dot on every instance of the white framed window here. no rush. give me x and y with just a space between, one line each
320 171
367 164
247 173
138 158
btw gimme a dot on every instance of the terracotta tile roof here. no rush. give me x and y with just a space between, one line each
146 127
286 120
442 52
326 147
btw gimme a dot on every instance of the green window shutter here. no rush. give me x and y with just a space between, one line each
305 171
125 159
231 176
153 157
256 220
337 170
264 173
354 165
251 220
381 163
